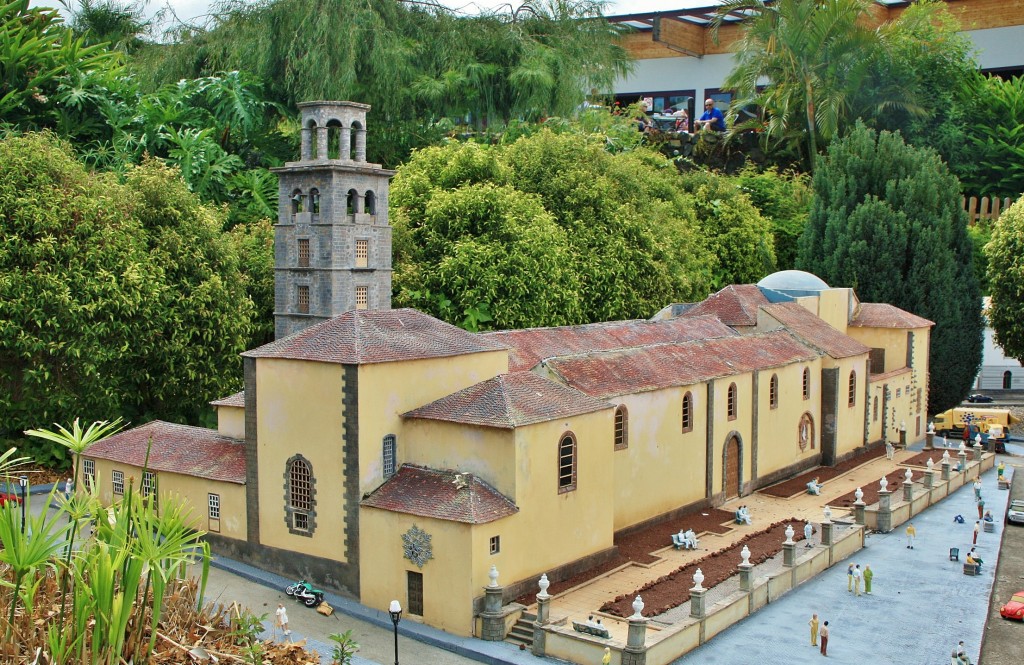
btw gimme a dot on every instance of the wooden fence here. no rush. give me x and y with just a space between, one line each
984 208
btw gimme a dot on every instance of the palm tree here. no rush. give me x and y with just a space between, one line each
813 55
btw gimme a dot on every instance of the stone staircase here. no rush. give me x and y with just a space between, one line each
522 632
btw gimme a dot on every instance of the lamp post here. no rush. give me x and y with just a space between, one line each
23 481
395 610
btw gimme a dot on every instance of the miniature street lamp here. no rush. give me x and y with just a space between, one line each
23 481
396 615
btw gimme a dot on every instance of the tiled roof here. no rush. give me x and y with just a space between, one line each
891 374
814 331
532 345
416 490
510 400
884 315
238 399
190 451
376 336
735 305
604 375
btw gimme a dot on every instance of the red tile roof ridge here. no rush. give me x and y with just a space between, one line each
888 375
884 315
238 399
444 494
813 330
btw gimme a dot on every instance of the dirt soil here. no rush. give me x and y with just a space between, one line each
871 491
797 485
921 459
673 589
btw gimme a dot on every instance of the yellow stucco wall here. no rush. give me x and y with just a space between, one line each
487 452
905 406
231 421
742 425
778 443
194 492
662 467
387 390
300 413
850 418
447 588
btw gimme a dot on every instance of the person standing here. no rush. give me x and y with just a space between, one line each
849 578
981 507
868 575
1000 469
813 623
911 535
824 639
856 580
977 529
890 451
977 489
607 657
282 620
69 487
808 533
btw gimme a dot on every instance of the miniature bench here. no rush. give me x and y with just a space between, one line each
954 553
970 569
989 527
590 630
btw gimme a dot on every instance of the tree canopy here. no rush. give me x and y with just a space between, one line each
1006 277
114 298
886 220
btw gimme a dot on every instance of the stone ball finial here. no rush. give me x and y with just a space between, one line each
884 483
929 463
945 457
789 533
907 475
493 576
859 495
745 555
827 512
931 427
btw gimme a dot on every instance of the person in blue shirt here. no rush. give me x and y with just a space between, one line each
712 118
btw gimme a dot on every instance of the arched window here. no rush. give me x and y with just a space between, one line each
314 147
807 383
314 201
852 397
370 203
773 392
567 463
350 202
621 428
299 497
1007 379
390 455
333 139
296 201
688 412
731 402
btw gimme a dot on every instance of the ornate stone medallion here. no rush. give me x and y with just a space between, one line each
805 435
417 547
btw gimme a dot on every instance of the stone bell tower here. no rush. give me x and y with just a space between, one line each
332 240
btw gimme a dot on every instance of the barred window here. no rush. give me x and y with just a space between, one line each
390 455
89 471
362 297
495 544
148 483
688 412
852 400
303 299
213 500
807 383
731 401
621 428
117 481
773 392
567 463
300 496
303 252
362 252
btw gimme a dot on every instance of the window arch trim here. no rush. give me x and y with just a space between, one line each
567 463
299 496
621 431
687 419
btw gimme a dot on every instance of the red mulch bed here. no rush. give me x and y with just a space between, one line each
794 486
921 459
636 547
673 590
871 491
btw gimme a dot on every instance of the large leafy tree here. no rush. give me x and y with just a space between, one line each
815 57
552 229
114 298
886 220
995 136
1006 276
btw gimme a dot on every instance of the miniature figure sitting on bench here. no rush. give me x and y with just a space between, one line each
591 627
685 540
814 487
743 515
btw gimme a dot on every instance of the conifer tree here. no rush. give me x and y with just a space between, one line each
886 220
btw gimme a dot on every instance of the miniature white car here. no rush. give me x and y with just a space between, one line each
1015 513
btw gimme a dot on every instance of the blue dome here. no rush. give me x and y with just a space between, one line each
793 280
